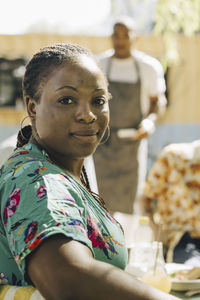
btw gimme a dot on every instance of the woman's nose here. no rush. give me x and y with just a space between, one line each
85 114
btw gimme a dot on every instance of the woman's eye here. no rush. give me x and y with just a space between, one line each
99 101
66 100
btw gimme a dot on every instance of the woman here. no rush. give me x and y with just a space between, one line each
55 233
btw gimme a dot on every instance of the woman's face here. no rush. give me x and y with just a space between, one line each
73 113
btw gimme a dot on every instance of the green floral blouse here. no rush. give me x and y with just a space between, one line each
38 200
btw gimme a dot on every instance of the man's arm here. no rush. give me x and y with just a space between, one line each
157 107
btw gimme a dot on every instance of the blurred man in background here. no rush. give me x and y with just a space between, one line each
137 85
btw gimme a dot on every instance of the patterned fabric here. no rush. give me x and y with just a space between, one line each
38 200
174 181
8 292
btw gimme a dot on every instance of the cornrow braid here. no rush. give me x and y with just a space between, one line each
44 62
24 135
85 181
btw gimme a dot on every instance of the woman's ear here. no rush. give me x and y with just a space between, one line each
30 106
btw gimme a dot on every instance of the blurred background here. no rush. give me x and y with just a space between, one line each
168 30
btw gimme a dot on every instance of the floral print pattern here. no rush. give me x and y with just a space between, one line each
30 231
44 201
36 241
41 191
11 204
97 237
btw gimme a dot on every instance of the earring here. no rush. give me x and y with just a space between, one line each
107 137
21 128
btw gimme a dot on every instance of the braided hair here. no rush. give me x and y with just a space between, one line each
97 197
86 183
38 70
47 60
24 135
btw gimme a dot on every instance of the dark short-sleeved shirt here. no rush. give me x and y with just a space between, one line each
38 200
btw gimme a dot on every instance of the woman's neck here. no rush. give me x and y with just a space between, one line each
70 165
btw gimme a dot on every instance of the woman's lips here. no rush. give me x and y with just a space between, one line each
85 136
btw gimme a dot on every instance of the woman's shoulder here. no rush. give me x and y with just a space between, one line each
24 152
24 163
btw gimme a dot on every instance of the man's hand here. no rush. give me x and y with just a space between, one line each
140 134
146 128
